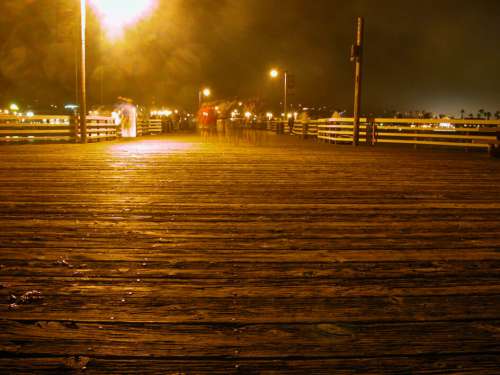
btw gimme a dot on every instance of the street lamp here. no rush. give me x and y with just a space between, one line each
206 92
115 16
275 73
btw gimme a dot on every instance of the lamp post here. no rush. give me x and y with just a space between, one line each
206 92
115 20
275 73
83 77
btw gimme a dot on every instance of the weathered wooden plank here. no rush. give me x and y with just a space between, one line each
116 236
313 229
328 217
76 255
487 364
252 263
446 242
72 263
255 287
249 341
139 300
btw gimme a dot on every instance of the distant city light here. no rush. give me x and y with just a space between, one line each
446 125
248 114
162 112
14 107
30 114
71 106
269 115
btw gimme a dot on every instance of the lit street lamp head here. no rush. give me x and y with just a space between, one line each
275 73
206 92
117 15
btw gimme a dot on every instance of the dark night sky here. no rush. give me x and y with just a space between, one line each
439 55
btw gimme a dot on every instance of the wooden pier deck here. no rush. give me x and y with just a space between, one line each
250 255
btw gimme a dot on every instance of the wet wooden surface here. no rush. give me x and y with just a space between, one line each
256 254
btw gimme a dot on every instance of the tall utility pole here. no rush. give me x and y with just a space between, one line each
83 78
101 69
285 99
357 58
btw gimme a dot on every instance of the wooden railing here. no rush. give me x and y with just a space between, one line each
48 128
142 127
55 128
423 132
155 126
100 128
149 126
305 129
277 126
466 133
36 128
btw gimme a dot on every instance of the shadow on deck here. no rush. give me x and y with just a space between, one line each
248 254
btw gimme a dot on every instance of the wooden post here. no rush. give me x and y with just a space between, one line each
357 57
83 78
74 126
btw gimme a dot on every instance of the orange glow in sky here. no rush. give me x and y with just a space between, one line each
117 15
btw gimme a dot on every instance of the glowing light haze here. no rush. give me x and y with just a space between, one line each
117 15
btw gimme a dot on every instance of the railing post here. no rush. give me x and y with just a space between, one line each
74 122
371 132
305 129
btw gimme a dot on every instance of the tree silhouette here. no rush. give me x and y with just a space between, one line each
488 115
480 113
497 115
462 113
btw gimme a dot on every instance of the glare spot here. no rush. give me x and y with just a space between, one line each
117 15
144 148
